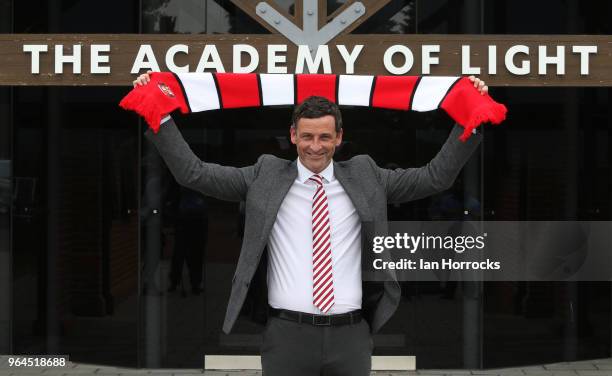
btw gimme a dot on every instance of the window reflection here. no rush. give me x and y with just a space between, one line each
196 17
396 17
175 16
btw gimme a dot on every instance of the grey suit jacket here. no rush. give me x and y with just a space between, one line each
264 185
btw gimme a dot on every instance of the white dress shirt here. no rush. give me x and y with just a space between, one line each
290 268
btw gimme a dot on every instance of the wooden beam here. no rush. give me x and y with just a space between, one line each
249 7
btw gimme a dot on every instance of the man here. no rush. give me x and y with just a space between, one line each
303 231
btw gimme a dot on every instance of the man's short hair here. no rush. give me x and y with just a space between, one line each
315 107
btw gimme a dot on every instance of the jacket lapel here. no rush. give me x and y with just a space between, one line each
281 183
354 191
278 188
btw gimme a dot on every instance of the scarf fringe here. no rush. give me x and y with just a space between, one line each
139 102
493 113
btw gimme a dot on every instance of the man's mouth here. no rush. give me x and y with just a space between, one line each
316 156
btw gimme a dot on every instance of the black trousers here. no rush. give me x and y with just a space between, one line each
291 348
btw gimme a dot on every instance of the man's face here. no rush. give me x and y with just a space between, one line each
316 141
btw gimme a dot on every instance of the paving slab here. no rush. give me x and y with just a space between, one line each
572 366
594 373
596 367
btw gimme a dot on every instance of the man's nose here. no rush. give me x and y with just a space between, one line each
315 146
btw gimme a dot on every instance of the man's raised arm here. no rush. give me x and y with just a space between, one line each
440 173
436 176
222 182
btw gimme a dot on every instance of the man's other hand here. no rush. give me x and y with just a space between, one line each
143 79
478 84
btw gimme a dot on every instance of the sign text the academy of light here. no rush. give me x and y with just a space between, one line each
397 59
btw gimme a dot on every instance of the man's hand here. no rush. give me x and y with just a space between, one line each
478 84
144 79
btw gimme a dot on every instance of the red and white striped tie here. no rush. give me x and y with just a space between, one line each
323 282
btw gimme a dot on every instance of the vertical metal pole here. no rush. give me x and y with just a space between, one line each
139 317
150 246
53 197
571 119
472 291
609 128
152 250
571 309
6 184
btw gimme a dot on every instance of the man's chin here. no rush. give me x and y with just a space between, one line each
317 166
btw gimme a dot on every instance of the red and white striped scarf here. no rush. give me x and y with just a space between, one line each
195 92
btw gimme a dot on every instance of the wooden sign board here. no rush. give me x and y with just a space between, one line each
503 60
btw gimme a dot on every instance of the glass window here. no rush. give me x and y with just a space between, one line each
74 218
546 17
569 179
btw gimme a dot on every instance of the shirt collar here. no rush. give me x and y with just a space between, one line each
304 173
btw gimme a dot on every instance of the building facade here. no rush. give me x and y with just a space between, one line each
103 255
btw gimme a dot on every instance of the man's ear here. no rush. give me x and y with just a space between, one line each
293 134
339 137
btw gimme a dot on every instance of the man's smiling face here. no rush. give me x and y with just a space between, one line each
316 140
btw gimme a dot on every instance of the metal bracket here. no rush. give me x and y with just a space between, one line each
310 34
